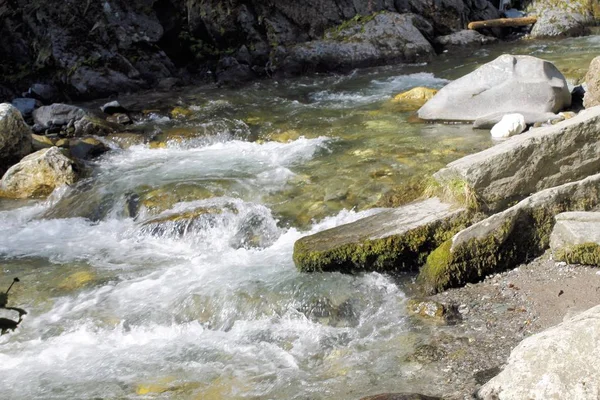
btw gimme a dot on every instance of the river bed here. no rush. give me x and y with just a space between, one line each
167 273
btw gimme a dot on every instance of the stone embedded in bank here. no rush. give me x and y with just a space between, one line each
530 162
562 362
38 174
506 239
508 84
576 238
392 240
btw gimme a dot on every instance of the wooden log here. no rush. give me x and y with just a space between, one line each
502 22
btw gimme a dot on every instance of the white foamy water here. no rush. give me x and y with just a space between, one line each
204 307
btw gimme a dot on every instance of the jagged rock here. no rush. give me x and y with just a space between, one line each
488 121
524 164
507 84
509 125
40 142
87 148
576 238
231 72
57 115
591 98
38 174
461 41
562 362
15 136
394 239
559 23
383 39
506 239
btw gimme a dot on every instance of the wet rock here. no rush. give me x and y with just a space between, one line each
44 92
38 174
231 72
392 240
591 97
168 83
559 23
509 125
87 148
561 362
25 106
39 142
414 98
15 136
119 118
575 238
164 198
426 354
91 126
77 280
113 107
488 121
507 84
400 396
93 83
524 164
382 39
506 239
462 41
426 308
57 115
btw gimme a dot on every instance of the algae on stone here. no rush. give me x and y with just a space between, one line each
585 254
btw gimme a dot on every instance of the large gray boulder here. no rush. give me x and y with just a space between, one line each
383 39
508 84
38 174
524 164
392 240
15 136
559 23
576 238
506 239
462 41
562 362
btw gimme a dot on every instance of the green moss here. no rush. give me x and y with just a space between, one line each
522 237
586 254
338 32
402 252
456 191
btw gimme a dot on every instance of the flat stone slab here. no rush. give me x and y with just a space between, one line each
576 238
488 121
506 239
562 362
394 239
527 163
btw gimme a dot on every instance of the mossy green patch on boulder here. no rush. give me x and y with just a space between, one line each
506 239
585 254
392 240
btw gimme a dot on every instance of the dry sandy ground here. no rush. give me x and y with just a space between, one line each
500 312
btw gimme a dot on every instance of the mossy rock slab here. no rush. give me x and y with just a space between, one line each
393 240
527 163
506 239
576 238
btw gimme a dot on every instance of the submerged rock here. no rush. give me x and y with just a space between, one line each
392 240
576 238
507 84
506 239
15 136
87 148
400 396
524 164
562 362
38 174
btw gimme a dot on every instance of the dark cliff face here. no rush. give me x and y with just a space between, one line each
97 48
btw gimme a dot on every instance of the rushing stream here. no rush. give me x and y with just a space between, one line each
168 273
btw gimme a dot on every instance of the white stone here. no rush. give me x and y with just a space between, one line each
509 125
562 362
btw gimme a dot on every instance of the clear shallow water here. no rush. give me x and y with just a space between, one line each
168 272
